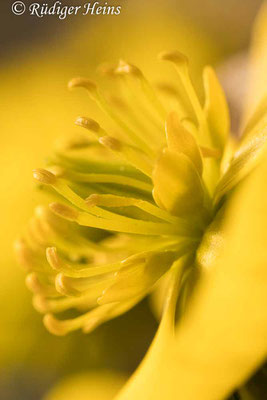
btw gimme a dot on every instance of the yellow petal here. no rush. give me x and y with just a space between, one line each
258 120
138 276
258 62
177 184
102 385
216 108
181 140
245 159
222 338
144 378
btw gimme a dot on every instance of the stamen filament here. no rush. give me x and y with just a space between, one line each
128 226
108 178
80 270
119 201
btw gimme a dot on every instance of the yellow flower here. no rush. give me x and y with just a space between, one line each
149 194
51 64
108 180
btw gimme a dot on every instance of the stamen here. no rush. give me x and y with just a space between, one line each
103 105
70 195
35 286
56 228
44 176
23 254
88 123
64 211
106 312
108 178
37 233
69 286
119 201
181 64
62 327
46 305
73 144
79 271
129 153
125 68
63 288
137 277
83 83
129 226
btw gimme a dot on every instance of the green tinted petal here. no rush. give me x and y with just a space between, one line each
177 184
181 140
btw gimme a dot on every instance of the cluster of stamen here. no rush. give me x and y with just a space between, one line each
134 200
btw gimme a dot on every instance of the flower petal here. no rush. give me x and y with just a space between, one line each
181 140
138 276
216 108
245 159
141 383
222 337
100 385
177 184
258 62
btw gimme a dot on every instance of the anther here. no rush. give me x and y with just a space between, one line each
92 200
40 303
84 83
32 283
64 211
22 254
62 287
88 123
52 258
44 176
54 326
110 142
126 68
175 57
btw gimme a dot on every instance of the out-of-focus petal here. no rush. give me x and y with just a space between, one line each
258 62
101 385
226 319
216 108
157 356
247 157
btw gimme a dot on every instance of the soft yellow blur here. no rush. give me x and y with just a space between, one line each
258 66
101 385
37 108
